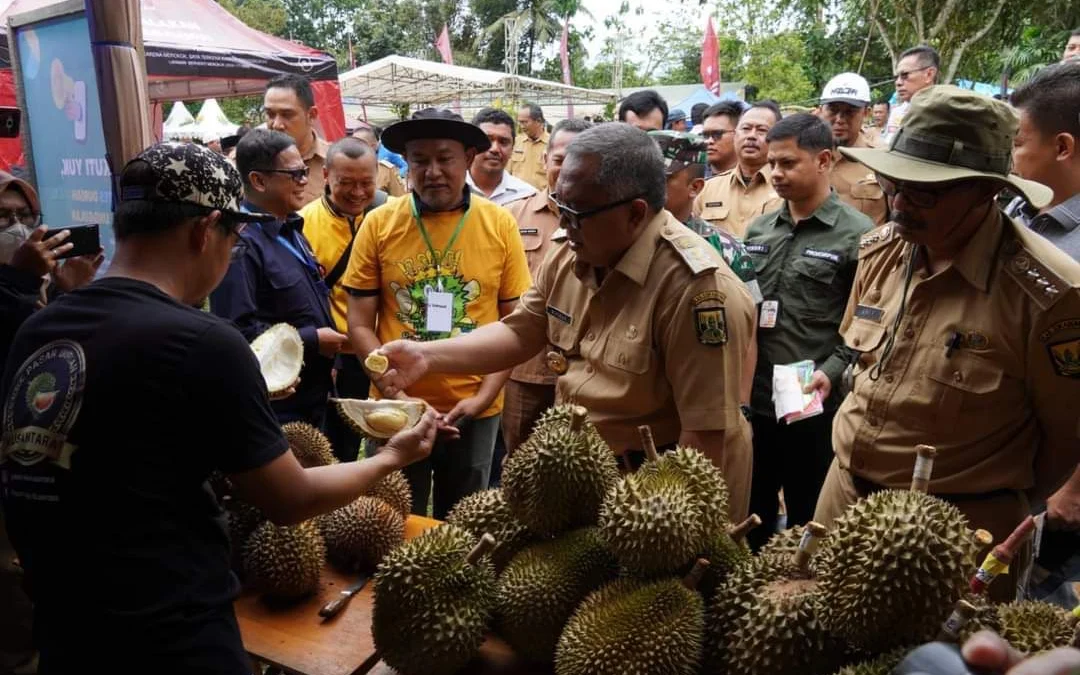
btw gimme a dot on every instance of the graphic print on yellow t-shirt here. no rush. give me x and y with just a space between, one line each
424 278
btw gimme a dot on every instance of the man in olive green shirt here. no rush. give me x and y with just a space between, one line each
805 255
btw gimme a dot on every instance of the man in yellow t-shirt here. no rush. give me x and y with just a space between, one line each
431 265
330 224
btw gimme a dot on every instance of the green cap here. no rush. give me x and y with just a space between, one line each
680 149
951 134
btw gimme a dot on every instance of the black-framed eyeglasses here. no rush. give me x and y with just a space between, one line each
572 218
298 175
9 217
903 75
919 197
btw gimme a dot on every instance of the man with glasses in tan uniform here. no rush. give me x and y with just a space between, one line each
967 324
916 70
844 103
647 323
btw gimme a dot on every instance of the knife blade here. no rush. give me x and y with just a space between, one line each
332 608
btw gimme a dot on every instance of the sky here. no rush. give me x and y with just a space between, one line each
641 27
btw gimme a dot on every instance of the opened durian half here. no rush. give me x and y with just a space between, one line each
280 352
379 419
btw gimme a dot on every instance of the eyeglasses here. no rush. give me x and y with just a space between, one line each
24 216
716 134
920 198
903 75
298 175
572 218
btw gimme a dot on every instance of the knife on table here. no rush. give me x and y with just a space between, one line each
332 608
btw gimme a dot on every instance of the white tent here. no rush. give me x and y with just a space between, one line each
179 123
211 122
400 80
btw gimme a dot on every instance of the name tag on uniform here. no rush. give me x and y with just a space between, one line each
440 313
757 248
710 205
869 313
770 309
560 315
831 256
528 230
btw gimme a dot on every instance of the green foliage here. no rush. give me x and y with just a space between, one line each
243 109
774 65
269 16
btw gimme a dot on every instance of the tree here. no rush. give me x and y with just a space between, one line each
774 66
544 20
269 16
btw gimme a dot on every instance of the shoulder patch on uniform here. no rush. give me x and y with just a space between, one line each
692 249
1040 282
876 239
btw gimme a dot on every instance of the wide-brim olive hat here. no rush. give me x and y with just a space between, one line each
434 123
951 134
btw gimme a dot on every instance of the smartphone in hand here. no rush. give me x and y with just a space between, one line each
86 239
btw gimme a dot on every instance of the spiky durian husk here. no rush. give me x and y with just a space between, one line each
702 479
431 607
556 480
311 446
725 556
1032 626
778 631
652 524
487 512
632 627
543 585
986 617
784 545
359 536
880 665
284 561
242 518
898 562
395 491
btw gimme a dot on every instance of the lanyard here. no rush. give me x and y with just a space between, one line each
306 260
436 258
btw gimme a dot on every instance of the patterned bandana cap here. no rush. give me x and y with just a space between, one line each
186 173
680 149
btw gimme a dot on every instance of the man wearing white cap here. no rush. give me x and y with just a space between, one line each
844 103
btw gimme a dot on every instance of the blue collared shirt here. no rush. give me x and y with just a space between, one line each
274 278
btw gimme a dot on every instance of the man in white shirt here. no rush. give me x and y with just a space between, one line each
916 70
487 175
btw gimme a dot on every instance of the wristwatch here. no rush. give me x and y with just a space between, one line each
746 411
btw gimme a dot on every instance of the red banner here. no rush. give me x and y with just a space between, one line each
442 45
564 54
710 60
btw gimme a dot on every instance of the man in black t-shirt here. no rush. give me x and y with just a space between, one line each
119 399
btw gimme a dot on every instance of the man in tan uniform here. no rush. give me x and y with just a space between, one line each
388 179
980 358
648 325
732 199
289 106
844 104
531 387
527 162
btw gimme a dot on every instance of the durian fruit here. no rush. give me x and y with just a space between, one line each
878 665
984 617
556 480
376 362
897 563
661 518
726 553
310 446
284 562
544 584
635 627
242 519
434 596
776 629
280 352
487 512
359 536
395 491
1033 626
379 419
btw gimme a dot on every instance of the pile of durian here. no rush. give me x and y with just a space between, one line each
286 562
574 565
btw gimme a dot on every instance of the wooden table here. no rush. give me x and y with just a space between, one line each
495 658
293 637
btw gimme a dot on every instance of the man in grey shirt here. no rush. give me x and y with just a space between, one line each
1047 150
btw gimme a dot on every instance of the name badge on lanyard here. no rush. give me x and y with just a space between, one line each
440 304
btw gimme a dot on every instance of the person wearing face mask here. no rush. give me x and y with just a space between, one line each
30 267
966 324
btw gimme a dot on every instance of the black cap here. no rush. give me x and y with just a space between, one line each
434 123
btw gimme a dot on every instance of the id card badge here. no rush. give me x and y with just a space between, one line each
440 316
769 310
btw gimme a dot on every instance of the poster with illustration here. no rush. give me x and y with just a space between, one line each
64 121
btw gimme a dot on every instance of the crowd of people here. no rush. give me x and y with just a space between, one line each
655 270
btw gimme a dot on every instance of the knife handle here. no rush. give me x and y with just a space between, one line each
334 606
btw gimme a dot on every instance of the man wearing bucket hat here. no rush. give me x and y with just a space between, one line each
844 103
431 265
967 327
